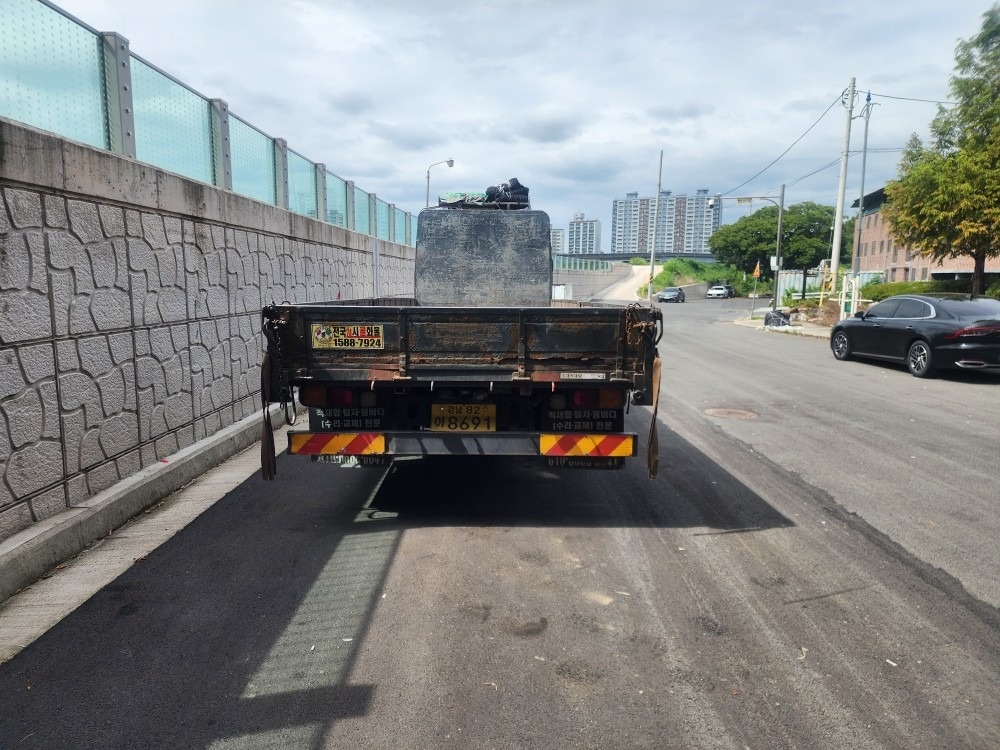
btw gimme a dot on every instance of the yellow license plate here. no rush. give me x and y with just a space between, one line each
463 418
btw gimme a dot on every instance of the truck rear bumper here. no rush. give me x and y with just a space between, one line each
553 445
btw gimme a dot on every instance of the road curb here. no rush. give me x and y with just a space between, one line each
811 330
29 555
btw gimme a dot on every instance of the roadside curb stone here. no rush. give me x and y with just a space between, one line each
805 329
27 556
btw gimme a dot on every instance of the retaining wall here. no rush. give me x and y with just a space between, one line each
587 284
130 301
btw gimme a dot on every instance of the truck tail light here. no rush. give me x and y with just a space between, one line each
319 396
339 396
597 398
611 398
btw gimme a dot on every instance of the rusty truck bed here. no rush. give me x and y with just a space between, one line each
374 342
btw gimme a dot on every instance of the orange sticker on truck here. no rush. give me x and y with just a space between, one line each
586 445
343 443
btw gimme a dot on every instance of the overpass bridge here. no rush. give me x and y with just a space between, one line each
133 267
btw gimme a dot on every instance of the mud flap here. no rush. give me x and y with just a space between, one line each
268 462
653 442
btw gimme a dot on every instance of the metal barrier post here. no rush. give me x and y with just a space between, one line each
281 173
118 106
221 146
321 192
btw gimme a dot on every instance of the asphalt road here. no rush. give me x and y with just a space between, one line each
815 567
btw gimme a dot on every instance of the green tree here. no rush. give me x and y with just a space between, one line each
945 202
805 238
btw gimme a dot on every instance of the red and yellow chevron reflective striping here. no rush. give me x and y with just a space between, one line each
586 445
341 443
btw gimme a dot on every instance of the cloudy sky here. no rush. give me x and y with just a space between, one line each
576 98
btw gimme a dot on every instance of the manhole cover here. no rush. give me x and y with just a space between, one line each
731 413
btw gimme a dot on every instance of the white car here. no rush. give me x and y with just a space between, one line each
718 292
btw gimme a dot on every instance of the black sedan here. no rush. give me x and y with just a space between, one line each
926 331
671 294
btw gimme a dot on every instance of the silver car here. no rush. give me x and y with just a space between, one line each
671 294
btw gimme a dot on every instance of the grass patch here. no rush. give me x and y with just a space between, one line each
682 271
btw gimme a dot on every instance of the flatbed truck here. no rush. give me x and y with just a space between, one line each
478 363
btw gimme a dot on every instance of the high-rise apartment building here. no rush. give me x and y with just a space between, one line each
683 226
584 236
558 240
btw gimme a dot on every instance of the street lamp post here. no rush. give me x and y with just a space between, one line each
427 196
780 203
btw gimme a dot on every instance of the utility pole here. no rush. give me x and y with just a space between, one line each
856 245
838 225
656 228
777 250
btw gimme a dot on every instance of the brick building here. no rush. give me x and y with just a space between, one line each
879 252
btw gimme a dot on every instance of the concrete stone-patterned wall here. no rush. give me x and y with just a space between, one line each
587 284
130 306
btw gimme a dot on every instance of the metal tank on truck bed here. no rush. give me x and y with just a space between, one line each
478 364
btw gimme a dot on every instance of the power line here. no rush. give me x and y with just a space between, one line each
835 162
834 102
787 149
910 99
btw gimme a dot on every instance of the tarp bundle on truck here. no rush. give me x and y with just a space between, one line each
507 195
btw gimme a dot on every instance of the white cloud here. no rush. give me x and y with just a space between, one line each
576 99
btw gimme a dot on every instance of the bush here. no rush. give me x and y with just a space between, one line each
681 271
791 297
880 291
791 300
682 268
